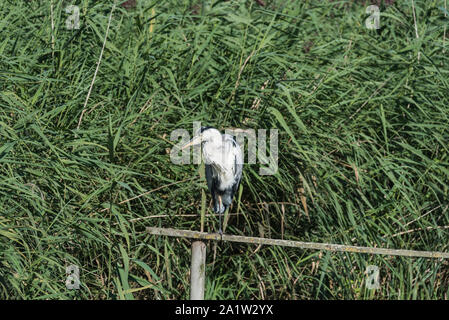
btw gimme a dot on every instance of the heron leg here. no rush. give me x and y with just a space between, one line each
220 230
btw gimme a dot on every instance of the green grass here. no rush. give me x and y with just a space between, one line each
363 119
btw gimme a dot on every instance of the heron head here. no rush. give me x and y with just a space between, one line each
204 134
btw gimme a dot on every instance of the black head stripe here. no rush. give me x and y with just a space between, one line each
202 129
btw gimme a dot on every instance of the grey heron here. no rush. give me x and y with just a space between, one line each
223 160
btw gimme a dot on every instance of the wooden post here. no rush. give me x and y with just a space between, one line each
198 271
297 244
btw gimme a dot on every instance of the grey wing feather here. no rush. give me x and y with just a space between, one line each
238 176
238 167
209 177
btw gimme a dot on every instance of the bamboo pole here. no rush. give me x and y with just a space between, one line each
298 244
198 271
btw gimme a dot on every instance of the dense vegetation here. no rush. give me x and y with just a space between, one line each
363 146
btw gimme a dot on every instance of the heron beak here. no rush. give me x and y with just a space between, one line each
196 140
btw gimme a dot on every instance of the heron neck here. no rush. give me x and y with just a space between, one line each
213 152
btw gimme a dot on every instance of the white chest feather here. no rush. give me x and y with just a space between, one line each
222 158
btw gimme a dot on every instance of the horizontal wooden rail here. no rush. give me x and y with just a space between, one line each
297 244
